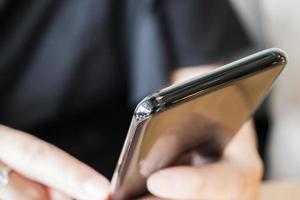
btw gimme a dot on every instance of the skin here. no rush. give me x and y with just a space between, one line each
42 171
237 175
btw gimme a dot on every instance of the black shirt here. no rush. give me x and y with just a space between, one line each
71 70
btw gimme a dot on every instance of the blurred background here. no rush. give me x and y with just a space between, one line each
273 23
72 71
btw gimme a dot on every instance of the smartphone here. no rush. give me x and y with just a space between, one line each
192 120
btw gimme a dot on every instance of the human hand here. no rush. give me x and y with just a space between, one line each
42 171
236 175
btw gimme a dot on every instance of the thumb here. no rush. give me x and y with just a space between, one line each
218 180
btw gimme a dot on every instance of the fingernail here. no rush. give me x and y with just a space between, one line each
96 188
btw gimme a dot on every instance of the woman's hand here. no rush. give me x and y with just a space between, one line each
41 171
236 176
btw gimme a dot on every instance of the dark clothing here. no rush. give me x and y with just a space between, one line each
71 69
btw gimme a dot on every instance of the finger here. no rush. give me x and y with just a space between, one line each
190 132
149 197
57 195
220 180
50 166
21 188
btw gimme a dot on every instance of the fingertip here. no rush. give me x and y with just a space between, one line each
96 188
153 183
162 183
177 182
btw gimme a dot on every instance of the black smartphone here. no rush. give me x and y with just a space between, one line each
198 116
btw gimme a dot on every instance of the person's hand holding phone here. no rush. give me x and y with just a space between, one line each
240 168
42 171
236 175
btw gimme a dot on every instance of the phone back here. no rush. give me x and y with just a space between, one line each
185 123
